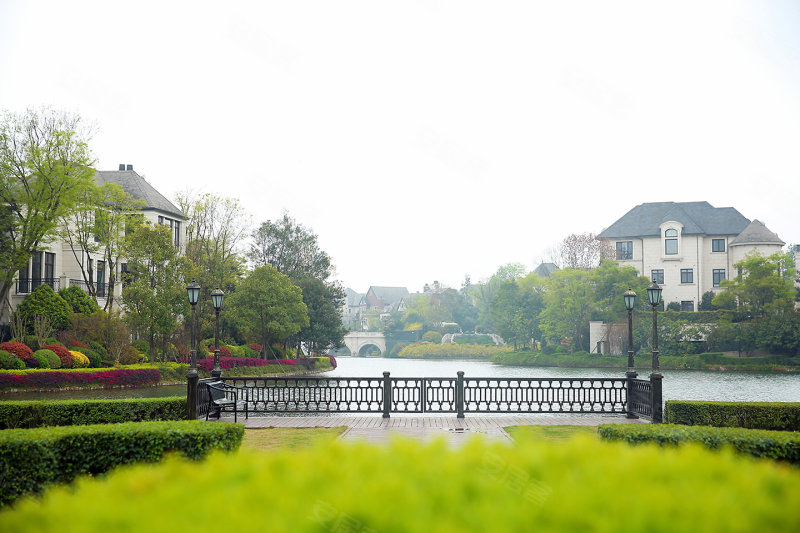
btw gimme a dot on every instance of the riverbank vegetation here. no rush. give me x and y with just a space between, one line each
705 361
782 416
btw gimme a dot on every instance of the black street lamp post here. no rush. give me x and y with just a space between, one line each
630 304
217 296
654 296
193 291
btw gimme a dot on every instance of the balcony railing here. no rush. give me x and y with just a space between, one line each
100 289
25 286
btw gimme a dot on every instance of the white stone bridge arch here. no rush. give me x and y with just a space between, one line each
357 340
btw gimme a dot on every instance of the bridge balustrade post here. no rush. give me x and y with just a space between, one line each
655 387
460 394
387 395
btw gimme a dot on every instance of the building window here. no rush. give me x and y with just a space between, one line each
671 242
657 275
36 270
687 275
687 305
717 245
624 250
719 276
160 220
101 278
176 228
49 267
124 274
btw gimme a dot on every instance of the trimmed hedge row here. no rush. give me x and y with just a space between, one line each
781 445
62 379
482 486
752 415
33 414
31 459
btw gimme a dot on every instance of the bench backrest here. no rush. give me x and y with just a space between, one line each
216 390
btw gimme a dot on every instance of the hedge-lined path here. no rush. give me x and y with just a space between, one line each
375 429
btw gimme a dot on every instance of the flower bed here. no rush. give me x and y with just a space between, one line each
54 379
225 363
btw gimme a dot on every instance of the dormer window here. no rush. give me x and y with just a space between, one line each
671 242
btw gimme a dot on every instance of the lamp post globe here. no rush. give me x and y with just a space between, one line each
630 303
217 297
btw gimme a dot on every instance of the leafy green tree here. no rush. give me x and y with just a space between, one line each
155 296
764 286
78 300
483 293
44 301
215 230
45 167
516 308
291 248
568 307
324 302
609 282
266 306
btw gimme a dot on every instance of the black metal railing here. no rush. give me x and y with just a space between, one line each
100 289
641 397
25 286
458 395
535 395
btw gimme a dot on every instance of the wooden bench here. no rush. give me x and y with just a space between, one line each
227 398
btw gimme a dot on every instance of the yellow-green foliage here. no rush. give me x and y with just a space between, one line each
79 360
580 485
451 351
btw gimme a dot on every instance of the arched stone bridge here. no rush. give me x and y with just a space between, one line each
358 340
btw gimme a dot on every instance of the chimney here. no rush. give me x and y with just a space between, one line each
121 166
130 167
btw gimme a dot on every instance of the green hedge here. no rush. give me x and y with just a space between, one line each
32 414
781 445
753 415
579 485
31 459
451 351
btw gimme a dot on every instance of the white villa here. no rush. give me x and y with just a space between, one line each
688 248
56 265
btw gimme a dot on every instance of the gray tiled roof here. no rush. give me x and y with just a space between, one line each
390 295
698 218
545 269
756 233
135 185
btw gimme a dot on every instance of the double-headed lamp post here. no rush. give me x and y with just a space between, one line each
217 296
193 291
654 296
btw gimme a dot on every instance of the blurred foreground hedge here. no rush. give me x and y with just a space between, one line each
581 485
781 445
31 459
754 415
32 414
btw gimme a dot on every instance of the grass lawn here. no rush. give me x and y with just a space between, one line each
273 438
552 433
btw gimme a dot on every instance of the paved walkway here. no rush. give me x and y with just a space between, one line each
375 429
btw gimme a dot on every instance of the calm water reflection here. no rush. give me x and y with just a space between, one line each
678 384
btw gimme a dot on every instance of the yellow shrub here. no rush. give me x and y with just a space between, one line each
581 485
80 360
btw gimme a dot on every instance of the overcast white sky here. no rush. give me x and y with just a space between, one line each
428 140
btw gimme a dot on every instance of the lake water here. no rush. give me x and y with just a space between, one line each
678 384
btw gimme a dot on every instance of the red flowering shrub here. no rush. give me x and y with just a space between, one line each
256 347
67 361
105 378
224 351
17 348
225 363
333 361
22 351
74 343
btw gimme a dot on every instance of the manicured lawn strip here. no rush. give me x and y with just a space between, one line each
781 416
781 445
274 438
580 484
558 433
31 459
451 351
38 413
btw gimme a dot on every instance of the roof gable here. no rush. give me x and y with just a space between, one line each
756 233
135 185
388 295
